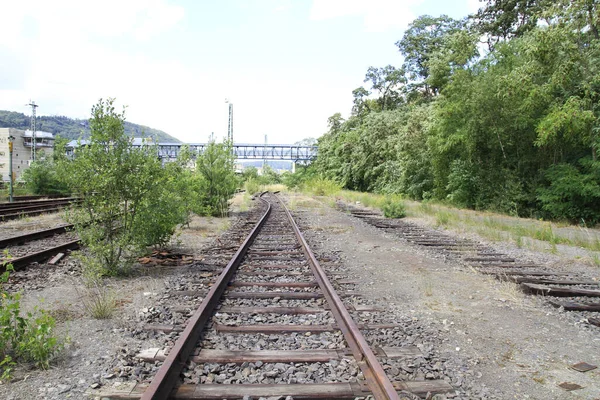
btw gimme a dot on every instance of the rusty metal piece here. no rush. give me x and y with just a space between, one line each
376 378
569 386
583 367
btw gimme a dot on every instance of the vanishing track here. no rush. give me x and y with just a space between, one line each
273 264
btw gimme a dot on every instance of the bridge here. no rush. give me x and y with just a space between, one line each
242 151
289 152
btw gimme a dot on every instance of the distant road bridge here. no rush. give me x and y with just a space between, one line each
242 151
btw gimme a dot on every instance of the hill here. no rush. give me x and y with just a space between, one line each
73 128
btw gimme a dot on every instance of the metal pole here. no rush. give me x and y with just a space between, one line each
10 171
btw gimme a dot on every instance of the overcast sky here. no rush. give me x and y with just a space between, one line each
287 65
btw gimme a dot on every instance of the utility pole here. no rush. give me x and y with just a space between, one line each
265 155
230 125
10 166
33 138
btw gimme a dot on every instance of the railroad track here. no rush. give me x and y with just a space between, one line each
576 292
20 209
21 261
275 277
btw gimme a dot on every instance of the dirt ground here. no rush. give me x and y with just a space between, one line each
515 345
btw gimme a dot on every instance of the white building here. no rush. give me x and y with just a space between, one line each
22 144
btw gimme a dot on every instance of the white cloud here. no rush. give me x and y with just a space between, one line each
378 15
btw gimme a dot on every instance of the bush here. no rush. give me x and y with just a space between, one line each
216 179
28 337
573 193
322 187
393 208
129 199
251 186
42 178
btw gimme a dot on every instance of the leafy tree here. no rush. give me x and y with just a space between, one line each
502 20
216 179
42 178
386 81
123 191
424 37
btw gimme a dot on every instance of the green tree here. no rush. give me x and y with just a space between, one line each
216 179
423 38
123 191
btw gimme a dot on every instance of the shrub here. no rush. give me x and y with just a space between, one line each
573 193
393 208
322 187
42 178
129 200
29 337
251 186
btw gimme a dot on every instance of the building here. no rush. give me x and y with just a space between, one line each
22 144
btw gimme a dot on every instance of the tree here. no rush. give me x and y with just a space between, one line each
502 20
216 179
425 36
122 189
386 81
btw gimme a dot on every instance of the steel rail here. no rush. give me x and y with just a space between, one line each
27 237
168 374
377 380
19 262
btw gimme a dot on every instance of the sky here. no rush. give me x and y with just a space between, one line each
286 65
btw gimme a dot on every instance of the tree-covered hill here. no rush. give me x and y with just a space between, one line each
73 128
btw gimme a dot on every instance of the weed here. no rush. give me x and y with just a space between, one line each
442 218
29 337
393 209
99 302
322 187
519 241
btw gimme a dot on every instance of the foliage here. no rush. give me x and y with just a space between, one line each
393 208
99 301
73 129
24 337
126 193
216 181
573 192
321 187
42 178
515 130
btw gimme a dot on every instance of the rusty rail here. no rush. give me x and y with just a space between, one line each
168 373
377 380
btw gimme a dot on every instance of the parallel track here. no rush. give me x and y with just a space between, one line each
581 292
274 261
20 209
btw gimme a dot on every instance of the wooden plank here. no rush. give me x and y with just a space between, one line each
545 281
400 352
297 391
273 328
507 266
594 321
273 284
56 258
531 273
489 259
558 291
422 388
305 391
274 310
573 306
